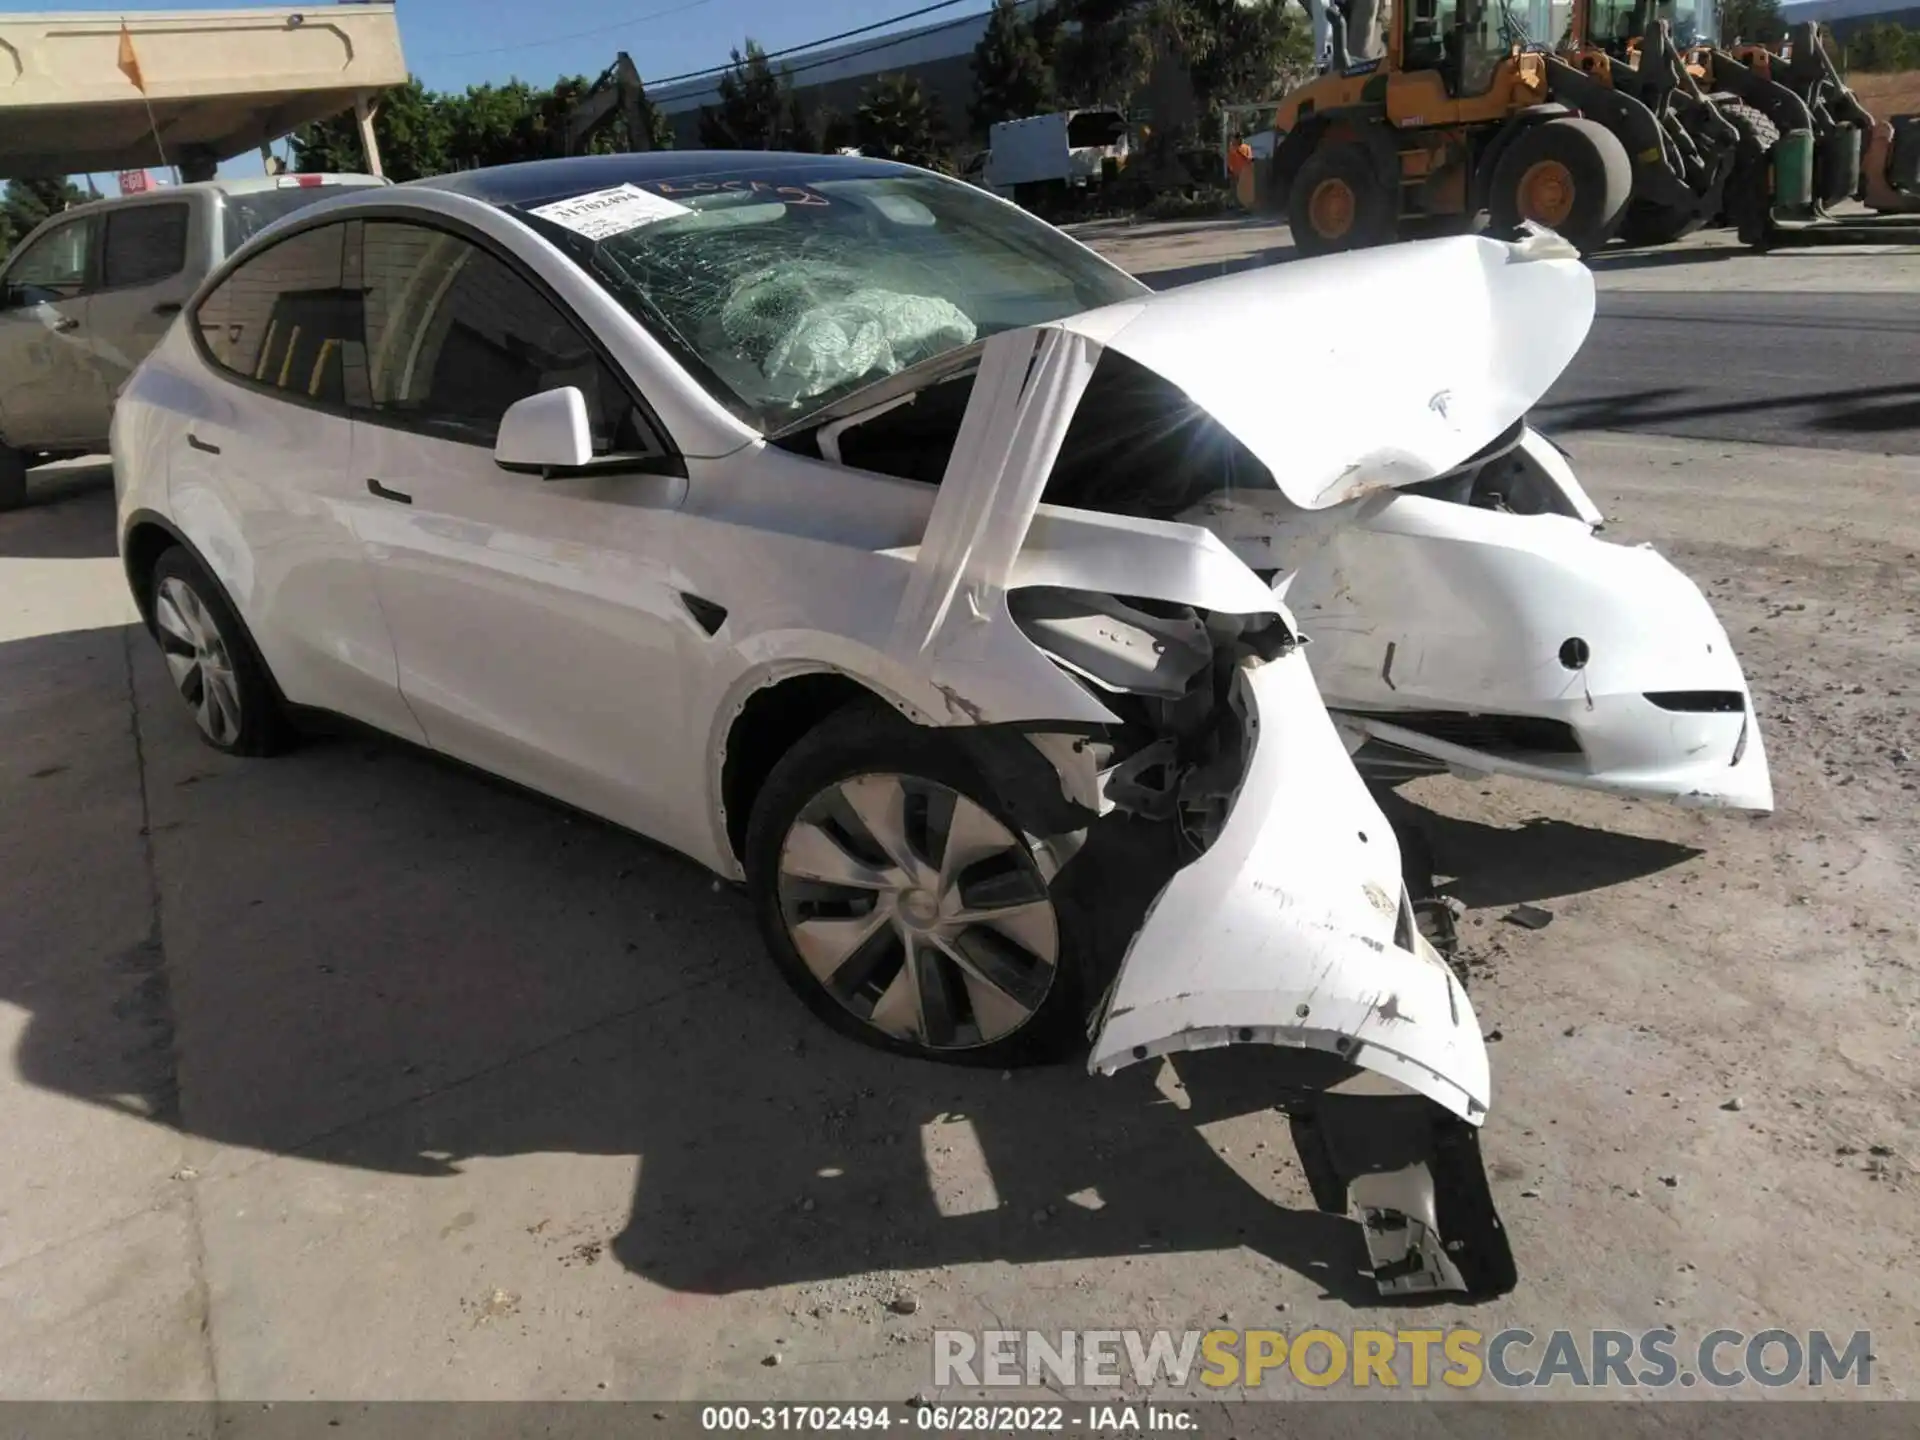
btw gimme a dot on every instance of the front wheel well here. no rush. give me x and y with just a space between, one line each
770 723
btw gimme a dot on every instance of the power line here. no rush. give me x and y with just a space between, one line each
574 35
826 40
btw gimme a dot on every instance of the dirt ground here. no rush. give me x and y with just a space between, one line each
1885 95
350 1075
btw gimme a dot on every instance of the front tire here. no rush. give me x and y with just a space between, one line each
1338 203
212 661
1570 175
904 906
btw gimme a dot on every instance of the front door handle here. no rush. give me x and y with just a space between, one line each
66 323
206 446
167 307
374 487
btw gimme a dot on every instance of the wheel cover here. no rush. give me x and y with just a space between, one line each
198 659
1546 193
924 916
1331 208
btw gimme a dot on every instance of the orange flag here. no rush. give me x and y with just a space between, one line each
130 62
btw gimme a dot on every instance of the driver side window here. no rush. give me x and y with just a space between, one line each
54 267
455 336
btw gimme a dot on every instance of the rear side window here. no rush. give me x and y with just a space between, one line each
285 319
245 216
144 243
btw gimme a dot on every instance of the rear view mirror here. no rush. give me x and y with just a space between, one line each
545 432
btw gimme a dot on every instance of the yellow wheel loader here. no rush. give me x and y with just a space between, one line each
1462 109
1446 115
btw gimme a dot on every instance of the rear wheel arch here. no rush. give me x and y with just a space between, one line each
148 537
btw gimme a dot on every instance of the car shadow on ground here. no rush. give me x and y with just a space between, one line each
1483 866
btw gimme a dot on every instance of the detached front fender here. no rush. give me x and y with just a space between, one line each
1295 928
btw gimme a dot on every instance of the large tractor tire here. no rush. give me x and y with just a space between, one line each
1749 199
1339 202
13 478
1570 175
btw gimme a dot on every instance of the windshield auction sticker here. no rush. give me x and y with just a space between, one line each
602 214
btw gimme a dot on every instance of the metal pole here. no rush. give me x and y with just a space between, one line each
363 115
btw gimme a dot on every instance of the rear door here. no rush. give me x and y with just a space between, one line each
145 277
51 395
260 476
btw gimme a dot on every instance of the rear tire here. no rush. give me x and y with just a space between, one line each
848 857
212 661
1570 175
13 478
1748 199
1647 224
1338 202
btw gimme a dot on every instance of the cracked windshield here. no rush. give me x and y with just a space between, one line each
786 291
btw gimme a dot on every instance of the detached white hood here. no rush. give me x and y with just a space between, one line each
1369 370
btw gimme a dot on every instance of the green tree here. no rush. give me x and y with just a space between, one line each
1104 51
412 126
757 109
1011 74
899 120
28 202
1755 21
1883 47
1245 49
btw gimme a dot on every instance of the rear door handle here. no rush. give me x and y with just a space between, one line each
66 323
374 487
206 446
167 307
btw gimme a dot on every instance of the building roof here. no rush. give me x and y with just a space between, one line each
1828 10
219 81
852 60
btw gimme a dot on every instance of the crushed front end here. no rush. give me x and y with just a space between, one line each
1280 916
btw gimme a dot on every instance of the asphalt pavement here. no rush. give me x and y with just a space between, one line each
1822 371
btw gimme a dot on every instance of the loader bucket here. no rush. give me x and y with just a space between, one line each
1903 163
1793 174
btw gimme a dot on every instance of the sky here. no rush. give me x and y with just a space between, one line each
451 44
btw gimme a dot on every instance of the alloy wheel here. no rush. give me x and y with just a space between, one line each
918 911
198 659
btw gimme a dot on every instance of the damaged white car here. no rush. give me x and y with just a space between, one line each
877 545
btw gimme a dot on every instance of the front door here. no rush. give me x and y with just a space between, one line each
534 620
51 396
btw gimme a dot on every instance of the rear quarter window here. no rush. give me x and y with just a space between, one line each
143 244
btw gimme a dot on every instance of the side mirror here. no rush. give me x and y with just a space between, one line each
545 432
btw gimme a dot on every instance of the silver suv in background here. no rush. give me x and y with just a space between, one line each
90 292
